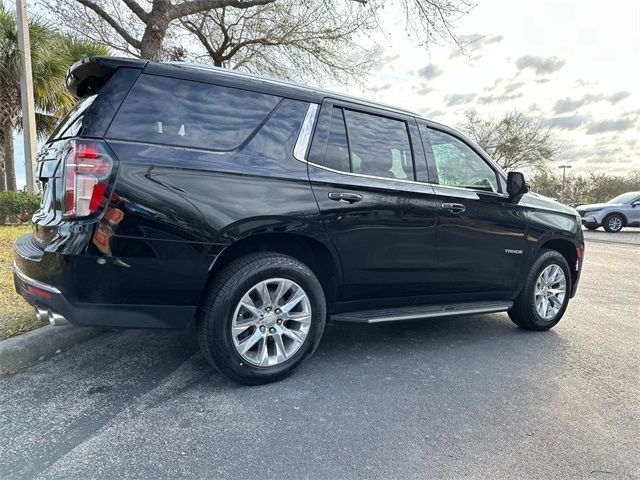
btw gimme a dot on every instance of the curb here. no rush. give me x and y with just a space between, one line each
27 349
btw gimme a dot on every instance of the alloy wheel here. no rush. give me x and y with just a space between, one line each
271 322
550 291
615 223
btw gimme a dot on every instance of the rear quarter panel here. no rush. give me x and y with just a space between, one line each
175 209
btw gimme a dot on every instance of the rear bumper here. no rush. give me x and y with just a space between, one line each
48 297
89 293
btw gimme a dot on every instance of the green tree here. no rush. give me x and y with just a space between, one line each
580 189
51 55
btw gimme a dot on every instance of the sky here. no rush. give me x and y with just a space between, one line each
573 64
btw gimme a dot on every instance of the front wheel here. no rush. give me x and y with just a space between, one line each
262 316
613 223
545 295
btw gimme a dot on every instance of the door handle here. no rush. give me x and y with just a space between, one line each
345 197
455 208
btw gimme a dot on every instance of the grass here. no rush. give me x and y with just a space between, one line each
16 315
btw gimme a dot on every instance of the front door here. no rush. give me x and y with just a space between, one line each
382 222
481 231
632 211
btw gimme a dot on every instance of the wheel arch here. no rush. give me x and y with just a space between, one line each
568 249
625 220
309 250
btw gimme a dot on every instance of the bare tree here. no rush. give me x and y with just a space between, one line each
133 27
275 37
297 40
514 140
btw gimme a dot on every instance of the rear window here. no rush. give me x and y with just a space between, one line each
192 114
71 125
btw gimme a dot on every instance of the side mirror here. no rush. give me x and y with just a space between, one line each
635 204
516 184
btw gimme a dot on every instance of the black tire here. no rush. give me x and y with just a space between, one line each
224 294
592 227
524 313
613 223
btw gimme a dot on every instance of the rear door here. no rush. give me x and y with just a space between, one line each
481 231
382 222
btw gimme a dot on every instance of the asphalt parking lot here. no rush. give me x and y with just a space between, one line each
471 397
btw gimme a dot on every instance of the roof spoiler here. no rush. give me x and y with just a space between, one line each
90 74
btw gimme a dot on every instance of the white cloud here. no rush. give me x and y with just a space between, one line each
540 65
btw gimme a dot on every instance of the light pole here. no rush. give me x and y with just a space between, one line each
26 93
564 177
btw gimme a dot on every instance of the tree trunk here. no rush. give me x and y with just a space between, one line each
10 167
151 44
3 183
155 31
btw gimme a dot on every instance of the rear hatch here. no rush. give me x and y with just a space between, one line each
75 167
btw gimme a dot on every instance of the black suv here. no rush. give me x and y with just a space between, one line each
255 210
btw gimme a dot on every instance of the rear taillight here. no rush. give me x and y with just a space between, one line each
87 172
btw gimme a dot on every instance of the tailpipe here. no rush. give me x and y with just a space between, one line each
54 319
57 320
42 315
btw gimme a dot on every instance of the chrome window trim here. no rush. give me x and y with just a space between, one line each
304 137
35 283
499 194
485 192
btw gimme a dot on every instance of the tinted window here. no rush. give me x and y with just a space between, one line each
337 153
379 146
458 165
181 112
72 123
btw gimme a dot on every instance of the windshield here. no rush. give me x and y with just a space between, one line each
625 198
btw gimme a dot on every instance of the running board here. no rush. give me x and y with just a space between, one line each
425 311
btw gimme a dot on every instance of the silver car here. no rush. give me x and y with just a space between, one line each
621 211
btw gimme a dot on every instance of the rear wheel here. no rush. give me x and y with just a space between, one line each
545 295
262 316
613 223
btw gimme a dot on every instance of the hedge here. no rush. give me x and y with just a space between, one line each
17 207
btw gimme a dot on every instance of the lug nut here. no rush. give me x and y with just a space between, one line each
279 321
272 330
262 328
268 309
278 311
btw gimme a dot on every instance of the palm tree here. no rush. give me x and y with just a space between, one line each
51 55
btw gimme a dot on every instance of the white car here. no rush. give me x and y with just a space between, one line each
621 211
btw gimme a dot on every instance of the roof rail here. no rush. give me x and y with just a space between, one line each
277 81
